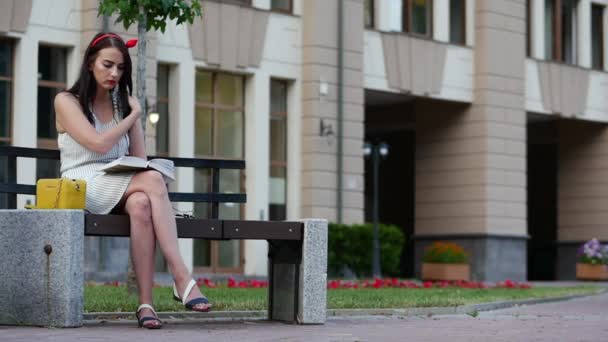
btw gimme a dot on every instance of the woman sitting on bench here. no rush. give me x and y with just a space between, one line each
98 121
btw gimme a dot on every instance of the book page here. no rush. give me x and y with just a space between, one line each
165 167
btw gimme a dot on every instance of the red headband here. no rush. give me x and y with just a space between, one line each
130 43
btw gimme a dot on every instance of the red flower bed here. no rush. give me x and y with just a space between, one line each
375 283
396 283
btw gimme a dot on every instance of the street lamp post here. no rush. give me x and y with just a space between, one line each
376 151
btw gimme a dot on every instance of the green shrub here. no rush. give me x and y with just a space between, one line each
445 253
351 246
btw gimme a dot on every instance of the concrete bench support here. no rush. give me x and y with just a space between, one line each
298 276
41 265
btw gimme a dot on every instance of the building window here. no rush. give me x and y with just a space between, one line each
52 78
219 132
416 16
237 2
560 30
285 6
6 89
277 208
458 22
597 37
368 13
162 108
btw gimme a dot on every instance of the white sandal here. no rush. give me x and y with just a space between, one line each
192 303
141 321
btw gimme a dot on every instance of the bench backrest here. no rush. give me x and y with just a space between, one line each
12 188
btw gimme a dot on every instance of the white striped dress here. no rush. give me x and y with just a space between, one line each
104 191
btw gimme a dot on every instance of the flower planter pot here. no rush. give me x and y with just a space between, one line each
591 272
432 271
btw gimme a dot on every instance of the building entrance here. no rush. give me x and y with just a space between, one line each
542 166
389 119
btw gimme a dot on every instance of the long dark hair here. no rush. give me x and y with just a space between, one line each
85 87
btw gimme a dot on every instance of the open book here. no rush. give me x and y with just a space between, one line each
129 163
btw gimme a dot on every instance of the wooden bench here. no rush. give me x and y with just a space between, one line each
297 254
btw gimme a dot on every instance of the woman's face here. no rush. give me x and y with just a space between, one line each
108 67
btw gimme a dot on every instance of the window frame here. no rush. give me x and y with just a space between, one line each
406 18
10 79
280 115
557 43
51 143
216 109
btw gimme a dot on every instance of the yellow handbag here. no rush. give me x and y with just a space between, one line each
60 193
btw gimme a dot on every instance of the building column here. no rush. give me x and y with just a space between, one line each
537 26
471 160
182 138
257 135
582 190
319 170
441 20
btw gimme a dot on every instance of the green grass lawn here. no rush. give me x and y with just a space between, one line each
116 299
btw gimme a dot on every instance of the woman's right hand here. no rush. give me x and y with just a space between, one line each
135 107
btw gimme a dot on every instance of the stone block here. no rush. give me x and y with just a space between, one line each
312 308
298 276
41 267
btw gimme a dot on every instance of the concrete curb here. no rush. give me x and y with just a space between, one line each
97 318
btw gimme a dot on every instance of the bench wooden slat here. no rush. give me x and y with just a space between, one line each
17 189
41 153
206 163
118 225
27 152
263 230
207 197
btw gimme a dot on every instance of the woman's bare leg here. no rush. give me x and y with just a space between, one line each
143 243
163 220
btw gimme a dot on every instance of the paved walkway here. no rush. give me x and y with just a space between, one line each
582 319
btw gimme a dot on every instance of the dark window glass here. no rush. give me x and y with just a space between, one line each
421 19
282 6
561 30
457 22
597 37
416 16
52 64
5 108
6 87
162 108
6 58
51 80
368 13
569 31
277 209
549 29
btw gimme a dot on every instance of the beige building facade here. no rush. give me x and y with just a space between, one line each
495 113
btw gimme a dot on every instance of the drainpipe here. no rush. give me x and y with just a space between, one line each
340 106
